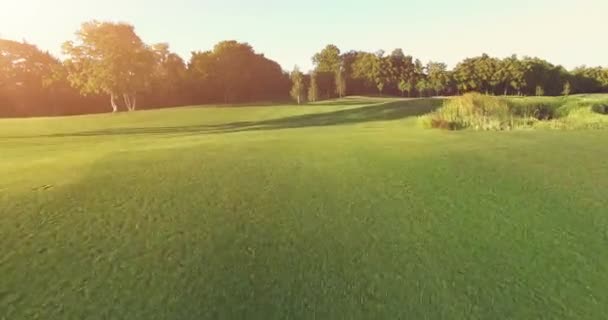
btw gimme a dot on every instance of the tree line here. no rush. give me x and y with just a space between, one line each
336 74
107 67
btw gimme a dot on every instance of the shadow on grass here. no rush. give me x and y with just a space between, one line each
393 110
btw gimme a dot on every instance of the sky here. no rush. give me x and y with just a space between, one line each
570 33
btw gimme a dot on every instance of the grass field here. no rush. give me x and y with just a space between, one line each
346 210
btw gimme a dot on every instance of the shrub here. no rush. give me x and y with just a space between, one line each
600 107
472 110
492 113
539 108
581 118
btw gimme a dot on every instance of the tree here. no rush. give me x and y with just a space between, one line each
540 91
422 85
372 69
402 71
313 89
233 72
567 89
403 87
341 83
168 80
297 89
26 77
109 58
328 60
438 77
328 64
516 72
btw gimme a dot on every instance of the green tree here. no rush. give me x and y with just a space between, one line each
328 60
367 67
567 89
31 81
438 76
233 72
422 85
341 83
403 86
328 65
516 74
313 89
168 81
109 58
540 91
297 89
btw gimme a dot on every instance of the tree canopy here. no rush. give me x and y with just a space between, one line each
110 59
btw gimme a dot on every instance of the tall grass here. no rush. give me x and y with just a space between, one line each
483 112
474 111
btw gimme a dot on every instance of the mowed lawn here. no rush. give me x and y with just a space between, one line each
346 210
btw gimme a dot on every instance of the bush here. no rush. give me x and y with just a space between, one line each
539 108
472 110
581 118
600 107
493 113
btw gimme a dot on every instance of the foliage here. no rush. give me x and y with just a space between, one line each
577 119
600 107
32 82
298 89
313 88
484 112
233 72
473 110
567 89
109 58
540 108
328 60
540 91
341 83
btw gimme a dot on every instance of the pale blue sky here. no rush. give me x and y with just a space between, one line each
565 32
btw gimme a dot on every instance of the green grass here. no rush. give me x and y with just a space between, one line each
347 210
485 112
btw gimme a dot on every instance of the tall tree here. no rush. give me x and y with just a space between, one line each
422 85
517 74
313 88
109 58
404 86
438 76
233 72
297 88
372 68
402 71
168 81
27 77
328 64
567 89
341 83
328 60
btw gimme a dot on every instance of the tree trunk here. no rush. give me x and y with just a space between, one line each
506 91
125 97
113 103
134 102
